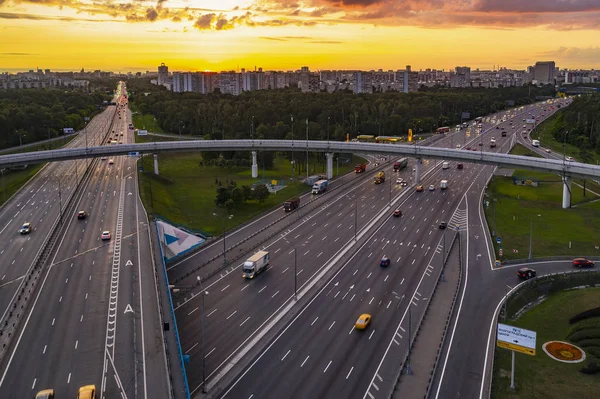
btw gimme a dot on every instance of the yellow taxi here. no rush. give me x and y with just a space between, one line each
45 394
363 321
419 189
87 392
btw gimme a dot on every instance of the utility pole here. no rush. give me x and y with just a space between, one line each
408 368
295 275
203 338
530 237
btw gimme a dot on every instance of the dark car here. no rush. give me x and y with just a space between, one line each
81 215
459 166
397 213
503 134
582 262
443 225
385 261
526 273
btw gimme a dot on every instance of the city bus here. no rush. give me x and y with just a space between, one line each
441 130
366 138
388 139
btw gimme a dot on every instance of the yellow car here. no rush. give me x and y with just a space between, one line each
87 392
363 321
419 188
45 394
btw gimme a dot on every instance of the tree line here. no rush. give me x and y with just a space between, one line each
282 113
30 115
579 125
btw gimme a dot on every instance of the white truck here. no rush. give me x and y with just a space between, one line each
445 165
535 143
493 143
255 264
320 186
444 184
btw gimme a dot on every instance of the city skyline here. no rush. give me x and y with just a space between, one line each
284 34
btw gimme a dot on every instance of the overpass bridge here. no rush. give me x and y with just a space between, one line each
567 169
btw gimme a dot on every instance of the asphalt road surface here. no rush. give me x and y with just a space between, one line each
95 319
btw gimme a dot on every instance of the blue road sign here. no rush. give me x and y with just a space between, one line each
498 240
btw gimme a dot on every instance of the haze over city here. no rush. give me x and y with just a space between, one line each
284 34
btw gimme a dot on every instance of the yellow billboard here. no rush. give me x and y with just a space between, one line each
409 134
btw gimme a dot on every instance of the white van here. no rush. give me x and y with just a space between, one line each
535 143
445 165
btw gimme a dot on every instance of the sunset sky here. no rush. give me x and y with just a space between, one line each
220 35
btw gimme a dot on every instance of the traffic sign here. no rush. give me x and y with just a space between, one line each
498 263
134 154
500 252
516 339
498 240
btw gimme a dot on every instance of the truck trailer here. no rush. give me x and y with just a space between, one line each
400 164
292 204
380 177
320 186
255 264
361 167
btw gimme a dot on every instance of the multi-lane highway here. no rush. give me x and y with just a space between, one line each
95 317
464 369
243 308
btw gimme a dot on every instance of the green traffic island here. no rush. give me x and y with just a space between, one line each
524 206
566 320
192 187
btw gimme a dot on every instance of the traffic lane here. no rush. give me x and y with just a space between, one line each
340 304
157 377
59 323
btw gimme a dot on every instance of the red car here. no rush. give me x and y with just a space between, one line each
397 213
582 262
526 273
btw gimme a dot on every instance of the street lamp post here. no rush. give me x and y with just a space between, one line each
204 293
295 275
293 161
408 368
59 203
530 237
355 218
307 149
328 128
224 235
2 171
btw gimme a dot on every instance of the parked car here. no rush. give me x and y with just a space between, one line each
526 273
582 262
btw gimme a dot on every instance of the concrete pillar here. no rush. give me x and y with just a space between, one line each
418 171
566 202
329 157
156 164
254 165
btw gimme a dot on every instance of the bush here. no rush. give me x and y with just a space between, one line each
591 368
594 312
586 343
584 334
593 350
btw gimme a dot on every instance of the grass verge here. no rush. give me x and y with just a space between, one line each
184 193
145 121
540 376
513 209
13 180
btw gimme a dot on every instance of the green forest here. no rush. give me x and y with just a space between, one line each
579 124
274 114
30 115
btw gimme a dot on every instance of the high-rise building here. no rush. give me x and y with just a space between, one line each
163 74
363 82
230 83
544 72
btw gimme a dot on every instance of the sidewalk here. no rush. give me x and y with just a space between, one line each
429 341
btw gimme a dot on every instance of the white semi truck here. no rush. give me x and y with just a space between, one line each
255 264
320 186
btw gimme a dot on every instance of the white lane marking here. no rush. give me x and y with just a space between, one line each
331 325
212 350
208 315
273 296
225 287
349 372
304 360
284 356
193 311
328 364
192 347
243 322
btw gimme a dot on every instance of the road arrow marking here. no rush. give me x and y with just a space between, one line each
128 309
129 263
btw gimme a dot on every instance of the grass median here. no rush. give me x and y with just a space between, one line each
540 376
184 193
511 210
